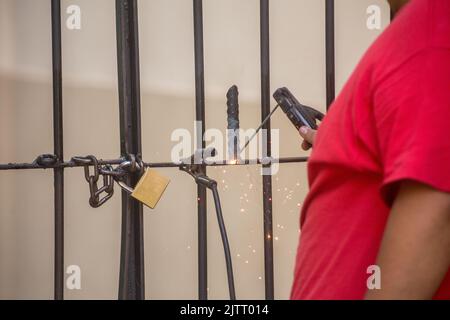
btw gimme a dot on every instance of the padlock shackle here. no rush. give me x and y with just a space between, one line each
125 187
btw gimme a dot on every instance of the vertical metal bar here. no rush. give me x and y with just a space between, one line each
330 52
267 179
58 150
200 116
131 281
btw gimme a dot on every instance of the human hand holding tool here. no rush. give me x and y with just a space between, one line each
309 136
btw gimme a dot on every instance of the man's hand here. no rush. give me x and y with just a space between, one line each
309 136
415 252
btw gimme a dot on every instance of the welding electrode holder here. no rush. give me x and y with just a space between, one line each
193 166
299 114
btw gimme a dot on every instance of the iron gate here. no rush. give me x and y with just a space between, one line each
131 278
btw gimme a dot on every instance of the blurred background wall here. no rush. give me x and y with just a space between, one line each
91 126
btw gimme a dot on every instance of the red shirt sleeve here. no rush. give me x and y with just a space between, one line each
412 115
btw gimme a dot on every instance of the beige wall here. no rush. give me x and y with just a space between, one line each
91 126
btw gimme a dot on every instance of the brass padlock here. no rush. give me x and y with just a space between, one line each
149 188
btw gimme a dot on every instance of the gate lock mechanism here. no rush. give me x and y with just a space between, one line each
148 190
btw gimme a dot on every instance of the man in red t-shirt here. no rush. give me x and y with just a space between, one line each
378 211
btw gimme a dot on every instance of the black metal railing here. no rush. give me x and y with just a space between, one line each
58 149
131 279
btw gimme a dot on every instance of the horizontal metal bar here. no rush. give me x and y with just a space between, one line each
67 164
72 164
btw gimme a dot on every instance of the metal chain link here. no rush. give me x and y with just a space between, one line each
131 164
96 199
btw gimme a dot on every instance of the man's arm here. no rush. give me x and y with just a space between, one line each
415 252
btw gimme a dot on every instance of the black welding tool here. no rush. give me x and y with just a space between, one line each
299 114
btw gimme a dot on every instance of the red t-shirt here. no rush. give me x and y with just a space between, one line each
390 123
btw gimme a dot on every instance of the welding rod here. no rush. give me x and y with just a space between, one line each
260 127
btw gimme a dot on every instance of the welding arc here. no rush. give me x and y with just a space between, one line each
233 122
